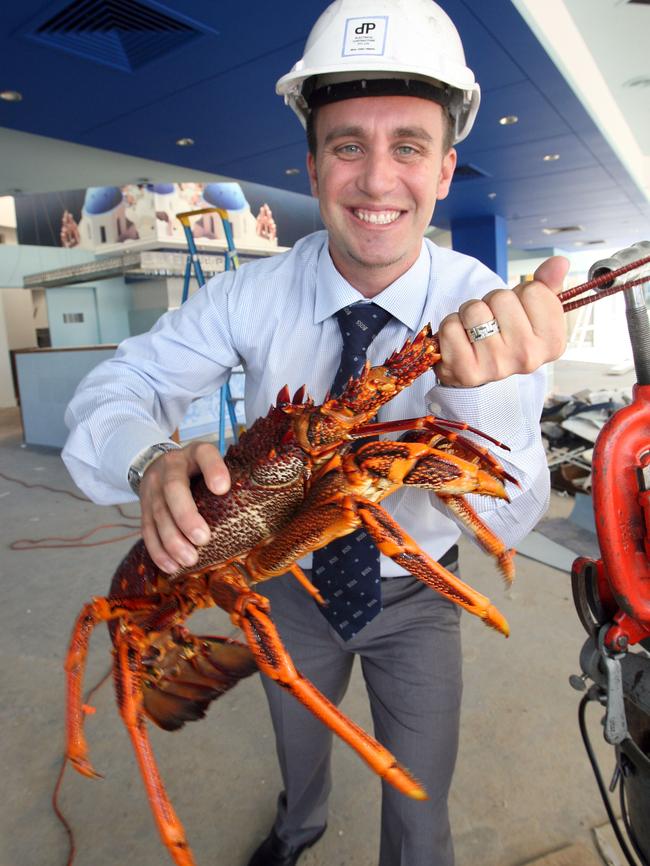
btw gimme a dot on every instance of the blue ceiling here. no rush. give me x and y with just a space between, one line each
213 78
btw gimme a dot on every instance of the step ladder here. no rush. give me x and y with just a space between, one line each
227 403
582 333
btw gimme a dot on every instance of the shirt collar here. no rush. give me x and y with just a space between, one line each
404 299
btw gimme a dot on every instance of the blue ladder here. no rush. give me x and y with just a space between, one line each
226 400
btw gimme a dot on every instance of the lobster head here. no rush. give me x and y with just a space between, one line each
319 429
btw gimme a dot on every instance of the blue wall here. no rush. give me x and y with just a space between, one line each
17 261
105 309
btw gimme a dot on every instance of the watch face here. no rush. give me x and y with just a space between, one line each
134 478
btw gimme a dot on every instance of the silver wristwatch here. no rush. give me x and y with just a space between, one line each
144 460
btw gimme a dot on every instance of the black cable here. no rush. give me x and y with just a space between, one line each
601 785
626 821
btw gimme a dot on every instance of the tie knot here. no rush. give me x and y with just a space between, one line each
360 323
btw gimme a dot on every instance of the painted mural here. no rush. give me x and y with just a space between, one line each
113 215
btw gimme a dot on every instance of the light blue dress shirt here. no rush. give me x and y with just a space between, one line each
274 317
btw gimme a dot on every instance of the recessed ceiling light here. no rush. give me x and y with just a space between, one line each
185 142
551 157
291 171
508 119
492 195
11 95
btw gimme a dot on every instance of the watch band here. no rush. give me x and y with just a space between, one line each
144 460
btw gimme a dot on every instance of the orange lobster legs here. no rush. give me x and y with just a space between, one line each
98 610
392 541
128 683
490 542
249 612
441 435
427 477
344 498
446 473
128 674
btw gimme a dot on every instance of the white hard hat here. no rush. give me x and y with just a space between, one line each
403 46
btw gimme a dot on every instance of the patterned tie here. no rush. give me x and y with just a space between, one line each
346 571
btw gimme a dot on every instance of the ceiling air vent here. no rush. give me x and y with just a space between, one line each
560 230
125 34
467 171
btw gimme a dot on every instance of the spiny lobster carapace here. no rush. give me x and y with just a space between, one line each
296 484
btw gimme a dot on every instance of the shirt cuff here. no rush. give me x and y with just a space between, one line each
494 408
122 448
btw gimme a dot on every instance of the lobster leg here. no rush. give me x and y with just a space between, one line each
339 519
449 475
98 610
392 541
466 450
275 662
249 611
306 583
422 422
453 443
490 542
128 683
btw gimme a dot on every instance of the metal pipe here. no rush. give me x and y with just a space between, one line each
623 257
636 311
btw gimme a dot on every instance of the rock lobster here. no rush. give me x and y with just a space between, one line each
297 483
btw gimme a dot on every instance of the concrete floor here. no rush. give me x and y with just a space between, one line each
523 786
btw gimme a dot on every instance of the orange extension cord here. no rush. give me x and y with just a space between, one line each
72 848
79 541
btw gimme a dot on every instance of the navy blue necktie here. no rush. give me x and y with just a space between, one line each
346 571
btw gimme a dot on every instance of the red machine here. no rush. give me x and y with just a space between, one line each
612 594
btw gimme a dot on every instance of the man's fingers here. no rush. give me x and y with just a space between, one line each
552 273
475 312
171 522
154 544
178 521
532 330
210 464
539 300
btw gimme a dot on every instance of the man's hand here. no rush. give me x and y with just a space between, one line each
532 331
171 524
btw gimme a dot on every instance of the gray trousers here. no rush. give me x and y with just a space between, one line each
411 662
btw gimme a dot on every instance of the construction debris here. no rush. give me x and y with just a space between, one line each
570 426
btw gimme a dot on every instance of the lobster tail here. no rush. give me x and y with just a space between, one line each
375 386
190 675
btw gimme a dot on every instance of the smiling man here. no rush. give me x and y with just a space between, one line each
384 92
379 166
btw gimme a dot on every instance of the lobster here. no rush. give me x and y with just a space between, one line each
296 484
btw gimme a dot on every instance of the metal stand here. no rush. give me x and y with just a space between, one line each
226 400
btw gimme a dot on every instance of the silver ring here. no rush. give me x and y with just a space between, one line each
481 332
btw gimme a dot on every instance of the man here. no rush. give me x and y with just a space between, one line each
384 92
